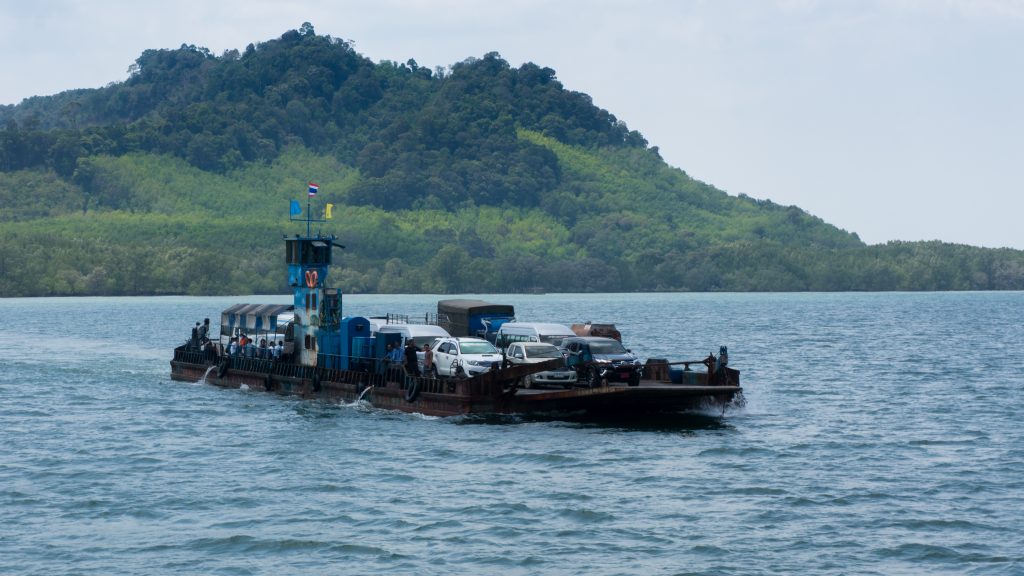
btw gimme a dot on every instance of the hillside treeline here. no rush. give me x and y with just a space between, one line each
476 177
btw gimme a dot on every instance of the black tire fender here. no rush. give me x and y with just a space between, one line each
412 392
222 368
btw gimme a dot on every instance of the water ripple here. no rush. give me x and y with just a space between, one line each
865 447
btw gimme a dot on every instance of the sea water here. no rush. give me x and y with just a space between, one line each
882 434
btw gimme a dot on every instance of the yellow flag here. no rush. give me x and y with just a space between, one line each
330 208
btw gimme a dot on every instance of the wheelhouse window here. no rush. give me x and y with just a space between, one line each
303 251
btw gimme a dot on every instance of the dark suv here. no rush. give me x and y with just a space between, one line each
596 359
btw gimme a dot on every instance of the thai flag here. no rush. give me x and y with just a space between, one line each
313 188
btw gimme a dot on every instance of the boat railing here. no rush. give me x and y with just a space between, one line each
664 364
431 318
193 356
363 370
245 364
658 369
440 319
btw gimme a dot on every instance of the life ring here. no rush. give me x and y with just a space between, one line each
412 392
222 368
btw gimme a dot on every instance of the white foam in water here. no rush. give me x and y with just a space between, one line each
421 416
243 387
207 373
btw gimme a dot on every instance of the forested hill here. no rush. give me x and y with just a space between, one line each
477 177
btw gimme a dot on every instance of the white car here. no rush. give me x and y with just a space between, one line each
534 352
463 357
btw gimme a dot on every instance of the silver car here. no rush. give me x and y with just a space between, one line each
534 352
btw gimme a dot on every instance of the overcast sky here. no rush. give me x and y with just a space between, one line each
894 119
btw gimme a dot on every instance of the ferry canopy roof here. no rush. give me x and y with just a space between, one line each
462 306
470 317
252 317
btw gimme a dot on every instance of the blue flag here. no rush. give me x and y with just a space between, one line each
296 209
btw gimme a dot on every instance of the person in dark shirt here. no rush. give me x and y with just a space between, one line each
411 362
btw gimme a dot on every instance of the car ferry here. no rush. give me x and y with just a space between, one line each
329 356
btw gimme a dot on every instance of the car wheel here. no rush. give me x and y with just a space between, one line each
593 378
526 381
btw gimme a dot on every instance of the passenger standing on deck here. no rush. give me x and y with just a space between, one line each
263 349
204 330
723 361
233 347
411 361
394 360
428 358
194 342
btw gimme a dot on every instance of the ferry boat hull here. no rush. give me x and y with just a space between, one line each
493 392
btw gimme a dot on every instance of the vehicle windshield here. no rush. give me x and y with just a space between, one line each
477 348
543 352
610 347
553 339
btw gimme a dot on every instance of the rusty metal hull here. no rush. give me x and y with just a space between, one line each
490 393
623 400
